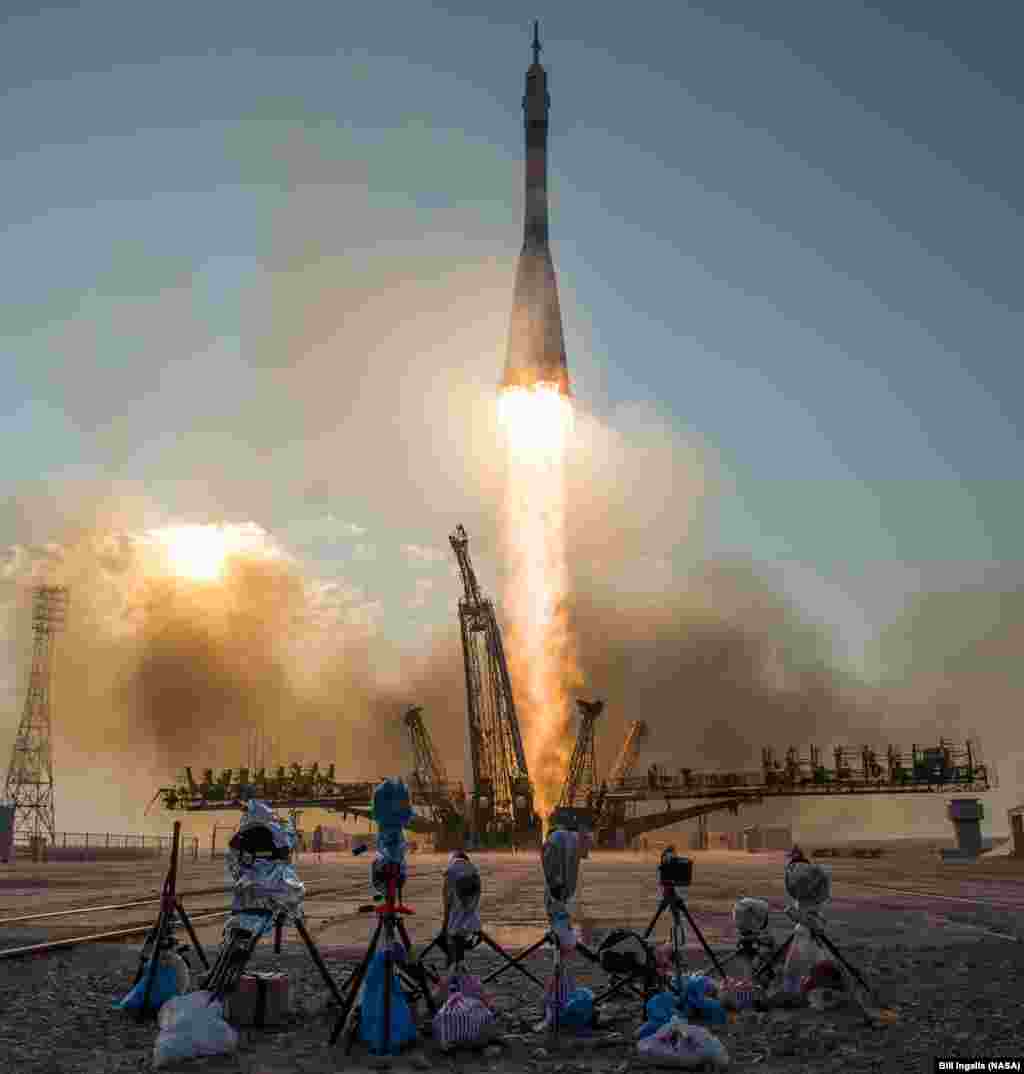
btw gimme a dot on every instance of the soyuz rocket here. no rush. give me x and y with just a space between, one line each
536 348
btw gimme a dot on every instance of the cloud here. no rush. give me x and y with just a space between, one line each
420 555
325 528
422 591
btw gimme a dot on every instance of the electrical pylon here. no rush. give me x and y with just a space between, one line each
29 786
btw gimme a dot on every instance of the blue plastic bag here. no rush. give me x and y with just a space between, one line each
165 987
578 1012
699 1001
660 1009
371 1019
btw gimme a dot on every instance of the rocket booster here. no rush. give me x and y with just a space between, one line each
536 348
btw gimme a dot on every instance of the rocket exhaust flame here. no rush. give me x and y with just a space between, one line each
537 424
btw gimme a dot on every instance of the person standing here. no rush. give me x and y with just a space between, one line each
318 842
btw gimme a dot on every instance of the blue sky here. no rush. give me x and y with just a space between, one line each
793 230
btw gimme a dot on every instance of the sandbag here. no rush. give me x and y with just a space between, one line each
190 1027
579 1010
462 1020
371 1021
164 988
738 993
701 1001
681 1045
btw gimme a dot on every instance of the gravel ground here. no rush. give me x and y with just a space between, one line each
961 1000
934 957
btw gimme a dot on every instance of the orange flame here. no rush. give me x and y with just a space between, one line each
538 422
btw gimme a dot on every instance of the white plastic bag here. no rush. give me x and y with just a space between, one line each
190 1027
681 1045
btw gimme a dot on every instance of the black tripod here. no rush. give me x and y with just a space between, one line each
766 971
235 954
625 968
752 947
160 936
672 901
455 948
391 927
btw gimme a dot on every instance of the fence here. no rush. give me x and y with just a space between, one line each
91 846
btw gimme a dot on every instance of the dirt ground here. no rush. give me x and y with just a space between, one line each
941 942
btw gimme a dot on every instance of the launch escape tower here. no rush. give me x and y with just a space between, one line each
502 792
29 787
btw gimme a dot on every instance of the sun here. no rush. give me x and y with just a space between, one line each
195 552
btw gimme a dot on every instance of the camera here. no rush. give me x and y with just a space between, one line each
674 871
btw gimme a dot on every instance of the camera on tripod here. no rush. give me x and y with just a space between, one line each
674 871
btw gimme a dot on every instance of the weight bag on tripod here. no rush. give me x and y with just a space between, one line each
402 1030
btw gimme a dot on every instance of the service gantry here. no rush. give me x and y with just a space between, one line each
502 795
445 801
580 780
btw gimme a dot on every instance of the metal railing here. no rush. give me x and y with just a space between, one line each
155 844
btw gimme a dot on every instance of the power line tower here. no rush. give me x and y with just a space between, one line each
29 786
502 792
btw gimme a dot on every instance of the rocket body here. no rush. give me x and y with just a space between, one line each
536 348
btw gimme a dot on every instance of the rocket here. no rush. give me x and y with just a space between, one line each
536 349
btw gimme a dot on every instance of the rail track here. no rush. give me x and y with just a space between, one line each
201 918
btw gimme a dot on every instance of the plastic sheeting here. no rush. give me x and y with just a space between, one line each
750 915
561 861
463 910
392 811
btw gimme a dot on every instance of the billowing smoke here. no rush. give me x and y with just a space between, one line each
156 669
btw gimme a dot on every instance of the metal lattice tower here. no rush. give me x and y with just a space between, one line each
504 794
623 766
29 786
582 775
429 771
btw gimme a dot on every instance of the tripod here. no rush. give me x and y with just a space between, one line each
390 926
160 934
672 901
751 947
234 955
455 948
814 926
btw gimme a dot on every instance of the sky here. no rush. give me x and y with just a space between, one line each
254 254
